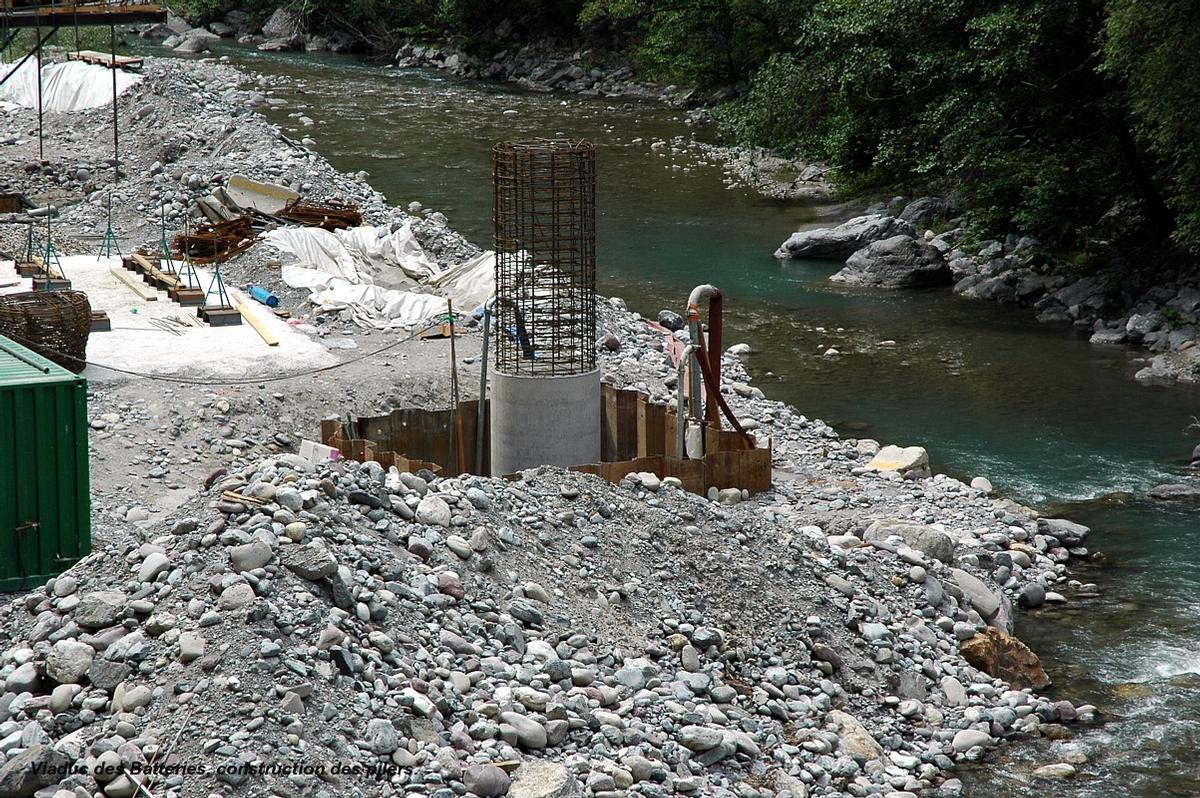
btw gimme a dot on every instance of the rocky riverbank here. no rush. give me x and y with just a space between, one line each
923 244
254 623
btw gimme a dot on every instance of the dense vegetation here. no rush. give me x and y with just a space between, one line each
1073 119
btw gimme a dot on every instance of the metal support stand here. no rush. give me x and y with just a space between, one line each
109 244
167 263
187 274
189 293
47 280
222 314
217 285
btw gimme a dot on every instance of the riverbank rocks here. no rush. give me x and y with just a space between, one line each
583 637
999 654
907 460
900 261
839 243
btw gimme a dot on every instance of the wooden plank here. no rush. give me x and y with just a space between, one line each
257 323
155 273
134 285
104 59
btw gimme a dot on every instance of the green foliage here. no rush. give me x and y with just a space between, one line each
1047 113
1152 47
709 43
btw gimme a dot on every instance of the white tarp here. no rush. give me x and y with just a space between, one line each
470 283
66 86
371 271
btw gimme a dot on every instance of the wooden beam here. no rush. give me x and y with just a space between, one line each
255 322
136 286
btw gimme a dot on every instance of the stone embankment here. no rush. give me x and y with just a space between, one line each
897 246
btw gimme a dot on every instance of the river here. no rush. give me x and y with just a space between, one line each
1048 418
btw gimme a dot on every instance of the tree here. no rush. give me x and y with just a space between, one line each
1152 52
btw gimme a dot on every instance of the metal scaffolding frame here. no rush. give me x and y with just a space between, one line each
16 15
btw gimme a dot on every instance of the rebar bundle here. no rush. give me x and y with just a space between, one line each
55 324
544 212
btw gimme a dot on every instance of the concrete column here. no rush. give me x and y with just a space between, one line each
544 421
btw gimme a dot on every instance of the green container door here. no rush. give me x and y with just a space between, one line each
45 506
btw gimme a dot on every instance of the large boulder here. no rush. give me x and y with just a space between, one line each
929 540
906 460
924 211
283 24
839 243
100 609
900 261
36 767
538 778
1069 533
1003 656
68 661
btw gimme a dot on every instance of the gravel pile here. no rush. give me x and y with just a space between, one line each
301 629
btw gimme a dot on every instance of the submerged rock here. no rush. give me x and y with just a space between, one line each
1175 492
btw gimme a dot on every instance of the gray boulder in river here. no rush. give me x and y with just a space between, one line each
897 262
839 243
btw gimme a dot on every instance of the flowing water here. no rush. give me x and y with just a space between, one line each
1050 419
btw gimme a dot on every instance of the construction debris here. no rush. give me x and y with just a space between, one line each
331 216
217 242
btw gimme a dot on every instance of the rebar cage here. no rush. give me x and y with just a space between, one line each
544 212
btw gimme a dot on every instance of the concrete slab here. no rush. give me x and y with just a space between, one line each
137 343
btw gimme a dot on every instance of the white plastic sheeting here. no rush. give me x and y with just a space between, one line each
371 272
66 86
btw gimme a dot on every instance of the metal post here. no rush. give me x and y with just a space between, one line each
41 145
112 65
481 419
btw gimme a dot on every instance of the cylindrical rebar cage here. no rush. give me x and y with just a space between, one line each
544 212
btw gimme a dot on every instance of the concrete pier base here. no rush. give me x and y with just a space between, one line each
544 421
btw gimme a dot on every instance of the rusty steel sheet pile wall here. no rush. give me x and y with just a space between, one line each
636 435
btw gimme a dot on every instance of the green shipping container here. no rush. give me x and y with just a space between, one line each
45 508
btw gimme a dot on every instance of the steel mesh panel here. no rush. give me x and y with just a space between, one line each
544 212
